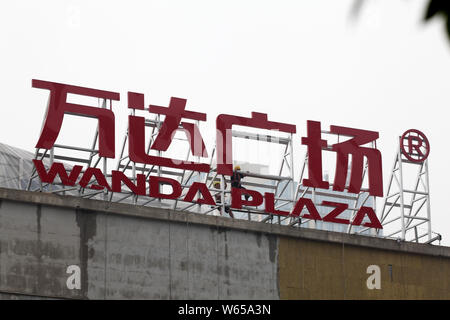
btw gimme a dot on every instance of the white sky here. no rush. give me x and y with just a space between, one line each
386 71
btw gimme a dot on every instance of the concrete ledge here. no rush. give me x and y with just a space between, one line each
49 199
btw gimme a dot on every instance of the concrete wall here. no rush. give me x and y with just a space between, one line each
128 252
320 270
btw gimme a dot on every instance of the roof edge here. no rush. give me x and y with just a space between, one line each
220 222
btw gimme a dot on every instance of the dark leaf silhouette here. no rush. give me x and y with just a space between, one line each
435 8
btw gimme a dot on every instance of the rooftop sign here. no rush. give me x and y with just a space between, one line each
176 118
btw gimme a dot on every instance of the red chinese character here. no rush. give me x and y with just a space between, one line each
224 123
174 113
351 147
58 107
315 145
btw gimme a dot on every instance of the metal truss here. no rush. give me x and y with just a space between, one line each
281 185
131 169
355 202
410 208
406 210
85 156
268 183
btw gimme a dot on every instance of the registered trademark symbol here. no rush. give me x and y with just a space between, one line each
414 145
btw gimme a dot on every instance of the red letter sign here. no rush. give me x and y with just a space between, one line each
353 147
58 106
315 145
344 149
174 113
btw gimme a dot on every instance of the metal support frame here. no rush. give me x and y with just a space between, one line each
185 178
355 201
90 158
406 213
265 183
410 208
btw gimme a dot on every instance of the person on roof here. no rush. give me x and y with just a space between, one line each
218 198
236 180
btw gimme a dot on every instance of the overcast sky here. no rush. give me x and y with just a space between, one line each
384 71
